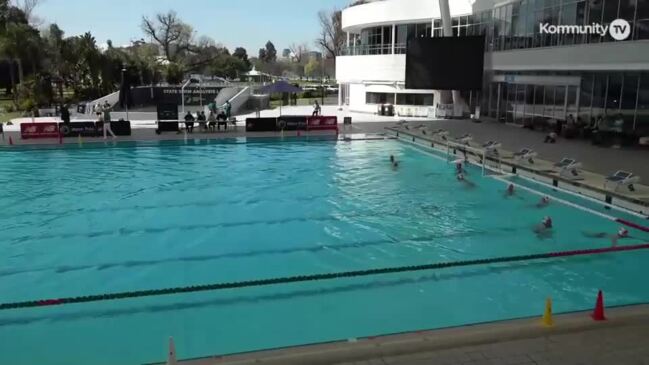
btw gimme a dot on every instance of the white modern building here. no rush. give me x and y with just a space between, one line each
529 75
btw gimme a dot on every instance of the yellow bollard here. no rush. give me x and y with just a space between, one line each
80 140
547 315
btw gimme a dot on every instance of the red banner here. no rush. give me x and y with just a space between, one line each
39 130
322 123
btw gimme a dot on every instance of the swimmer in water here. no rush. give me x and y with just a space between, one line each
510 190
544 229
544 202
394 162
620 234
460 177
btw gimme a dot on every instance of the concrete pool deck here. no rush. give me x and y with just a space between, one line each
589 184
574 339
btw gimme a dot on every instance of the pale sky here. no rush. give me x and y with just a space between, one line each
247 23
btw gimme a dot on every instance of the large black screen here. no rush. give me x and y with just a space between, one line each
445 63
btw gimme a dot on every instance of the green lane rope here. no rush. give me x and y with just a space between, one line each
314 277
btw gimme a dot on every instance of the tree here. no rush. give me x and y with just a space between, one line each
312 68
173 36
242 54
19 43
174 73
27 7
299 51
271 52
332 37
262 55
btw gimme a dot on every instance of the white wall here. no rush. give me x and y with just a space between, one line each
389 68
632 55
398 11
357 99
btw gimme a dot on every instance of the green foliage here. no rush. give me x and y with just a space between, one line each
268 54
43 65
174 73
313 68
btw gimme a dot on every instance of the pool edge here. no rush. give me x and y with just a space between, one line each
392 345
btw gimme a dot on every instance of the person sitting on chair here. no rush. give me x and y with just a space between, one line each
212 122
200 116
221 120
189 122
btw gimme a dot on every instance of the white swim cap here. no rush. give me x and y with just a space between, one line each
622 232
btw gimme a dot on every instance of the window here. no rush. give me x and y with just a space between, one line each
599 94
402 34
610 10
628 7
415 99
642 113
586 96
629 93
614 93
379 98
559 102
568 17
423 30
594 16
642 20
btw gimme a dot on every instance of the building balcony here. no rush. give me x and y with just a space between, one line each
365 50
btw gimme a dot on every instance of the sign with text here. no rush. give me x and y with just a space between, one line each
322 123
39 130
291 123
75 129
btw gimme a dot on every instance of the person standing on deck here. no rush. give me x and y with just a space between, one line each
105 118
228 109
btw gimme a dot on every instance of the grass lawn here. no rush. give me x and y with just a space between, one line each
4 116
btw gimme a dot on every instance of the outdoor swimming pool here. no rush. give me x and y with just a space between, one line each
78 221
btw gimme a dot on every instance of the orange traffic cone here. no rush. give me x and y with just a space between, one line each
598 313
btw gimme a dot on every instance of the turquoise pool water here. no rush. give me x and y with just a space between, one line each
78 221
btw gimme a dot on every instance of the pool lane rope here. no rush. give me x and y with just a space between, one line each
313 277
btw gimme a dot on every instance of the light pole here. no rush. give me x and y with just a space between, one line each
182 94
125 92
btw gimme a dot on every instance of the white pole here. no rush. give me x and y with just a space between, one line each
126 94
447 28
394 34
182 95
171 356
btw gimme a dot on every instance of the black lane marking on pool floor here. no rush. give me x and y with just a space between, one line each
242 254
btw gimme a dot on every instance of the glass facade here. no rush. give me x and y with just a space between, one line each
516 25
586 96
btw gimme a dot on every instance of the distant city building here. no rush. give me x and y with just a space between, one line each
313 55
